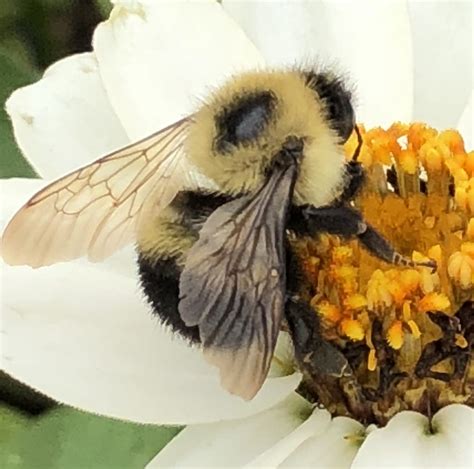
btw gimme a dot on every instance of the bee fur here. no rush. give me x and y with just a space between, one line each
249 131
213 263
287 106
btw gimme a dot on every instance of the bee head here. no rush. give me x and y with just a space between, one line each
258 119
336 100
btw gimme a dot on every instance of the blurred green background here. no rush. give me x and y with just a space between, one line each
36 432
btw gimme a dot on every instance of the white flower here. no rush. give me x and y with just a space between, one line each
83 334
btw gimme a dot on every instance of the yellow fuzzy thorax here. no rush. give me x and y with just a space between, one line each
298 112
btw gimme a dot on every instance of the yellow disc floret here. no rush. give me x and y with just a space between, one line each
419 194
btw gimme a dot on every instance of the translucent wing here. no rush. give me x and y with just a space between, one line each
233 284
95 210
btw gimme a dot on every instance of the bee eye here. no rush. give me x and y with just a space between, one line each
337 102
341 114
244 120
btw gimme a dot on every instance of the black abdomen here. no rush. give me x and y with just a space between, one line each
160 283
159 277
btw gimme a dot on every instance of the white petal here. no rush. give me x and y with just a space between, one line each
315 425
65 120
232 444
442 51
466 124
157 59
335 448
14 193
85 337
367 40
407 442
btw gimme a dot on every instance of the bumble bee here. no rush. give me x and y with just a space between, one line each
214 260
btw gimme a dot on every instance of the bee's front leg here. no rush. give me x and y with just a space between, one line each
355 178
328 374
345 221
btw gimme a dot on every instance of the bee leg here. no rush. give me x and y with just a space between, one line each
356 353
437 351
159 279
446 347
461 364
327 370
355 178
375 243
315 355
322 364
440 349
345 221
338 220
433 353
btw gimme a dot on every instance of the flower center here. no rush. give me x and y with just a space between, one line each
406 333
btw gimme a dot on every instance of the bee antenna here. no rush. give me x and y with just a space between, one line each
359 143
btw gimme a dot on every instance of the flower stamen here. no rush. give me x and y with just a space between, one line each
403 329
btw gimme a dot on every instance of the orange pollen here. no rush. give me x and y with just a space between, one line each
434 302
395 335
419 195
352 328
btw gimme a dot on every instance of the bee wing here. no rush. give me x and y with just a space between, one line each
233 284
95 210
